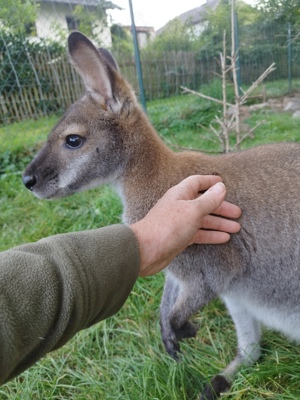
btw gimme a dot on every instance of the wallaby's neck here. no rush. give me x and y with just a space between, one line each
148 152
150 170
146 156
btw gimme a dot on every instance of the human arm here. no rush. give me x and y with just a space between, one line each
51 289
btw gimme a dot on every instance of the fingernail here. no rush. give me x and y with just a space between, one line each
218 188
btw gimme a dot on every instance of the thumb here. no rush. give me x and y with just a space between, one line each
211 199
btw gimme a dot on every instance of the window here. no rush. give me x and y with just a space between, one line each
72 22
30 29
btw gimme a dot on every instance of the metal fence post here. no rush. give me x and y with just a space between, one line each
289 46
137 58
236 51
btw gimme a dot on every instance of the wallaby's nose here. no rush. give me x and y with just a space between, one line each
29 181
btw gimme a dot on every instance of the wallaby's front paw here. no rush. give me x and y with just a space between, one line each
169 339
173 348
175 334
212 391
188 330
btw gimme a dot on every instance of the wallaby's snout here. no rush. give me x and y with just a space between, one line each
29 181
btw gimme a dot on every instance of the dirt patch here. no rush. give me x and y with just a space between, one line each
289 103
285 104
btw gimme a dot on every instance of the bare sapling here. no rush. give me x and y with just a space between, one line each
228 124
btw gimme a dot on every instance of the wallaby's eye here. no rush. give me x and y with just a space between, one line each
74 141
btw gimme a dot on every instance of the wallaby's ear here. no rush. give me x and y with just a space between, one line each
108 58
97 68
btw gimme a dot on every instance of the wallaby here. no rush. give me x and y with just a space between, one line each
106 137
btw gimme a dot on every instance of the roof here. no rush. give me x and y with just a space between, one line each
90 3
198 14
194 15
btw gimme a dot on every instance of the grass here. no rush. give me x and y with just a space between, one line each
123 357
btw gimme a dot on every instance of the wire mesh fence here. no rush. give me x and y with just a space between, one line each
36 78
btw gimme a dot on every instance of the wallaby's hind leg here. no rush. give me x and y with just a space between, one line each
248 336
171 291
179 302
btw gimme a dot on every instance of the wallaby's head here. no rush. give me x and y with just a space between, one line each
86 148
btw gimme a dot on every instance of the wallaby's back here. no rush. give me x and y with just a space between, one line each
264 182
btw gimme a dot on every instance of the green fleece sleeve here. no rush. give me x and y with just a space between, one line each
51 289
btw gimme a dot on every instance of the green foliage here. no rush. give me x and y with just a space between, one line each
12 162
17 149
191 117
17 68
280 10
17 15
176 36
122 42
90 22
219 20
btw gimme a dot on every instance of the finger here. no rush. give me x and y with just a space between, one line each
220 224
228 210
211 199
189 188
210 237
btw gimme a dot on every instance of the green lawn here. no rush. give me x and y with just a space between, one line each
123 357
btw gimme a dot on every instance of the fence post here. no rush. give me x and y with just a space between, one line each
289 46
137 58
236 51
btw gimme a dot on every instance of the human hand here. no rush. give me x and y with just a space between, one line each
181 218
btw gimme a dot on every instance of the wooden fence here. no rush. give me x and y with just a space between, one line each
54 84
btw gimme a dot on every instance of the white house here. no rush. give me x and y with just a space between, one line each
56 17
196 17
